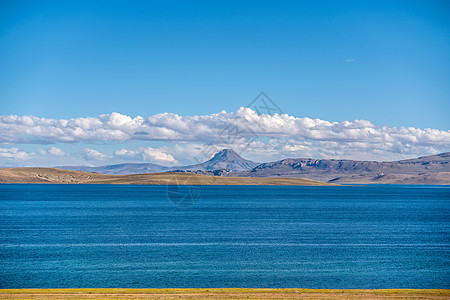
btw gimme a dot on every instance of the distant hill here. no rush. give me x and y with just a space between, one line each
431 159
120 169
59 176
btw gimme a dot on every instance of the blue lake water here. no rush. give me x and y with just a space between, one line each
230 236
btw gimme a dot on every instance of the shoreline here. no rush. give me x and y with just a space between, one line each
59 176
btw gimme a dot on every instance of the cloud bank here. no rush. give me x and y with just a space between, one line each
205 128
266 136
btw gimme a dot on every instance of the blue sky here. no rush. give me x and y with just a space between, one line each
386 62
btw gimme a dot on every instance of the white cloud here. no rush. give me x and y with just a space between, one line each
13 153
91 154
276 135
157 156
55 151
146 154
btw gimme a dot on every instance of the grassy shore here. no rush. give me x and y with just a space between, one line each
225 293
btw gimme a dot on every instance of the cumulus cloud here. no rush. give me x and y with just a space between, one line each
244 128
55 151
146 154
13 153
91 154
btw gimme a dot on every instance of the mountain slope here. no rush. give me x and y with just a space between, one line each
430 159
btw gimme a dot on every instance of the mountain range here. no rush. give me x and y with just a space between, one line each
433 169
225 159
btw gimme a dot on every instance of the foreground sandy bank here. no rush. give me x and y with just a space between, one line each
230 293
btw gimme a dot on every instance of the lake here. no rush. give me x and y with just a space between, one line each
380 236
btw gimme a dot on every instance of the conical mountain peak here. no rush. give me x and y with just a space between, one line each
224 159
228 154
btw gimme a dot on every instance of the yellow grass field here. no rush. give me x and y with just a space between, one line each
225 293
